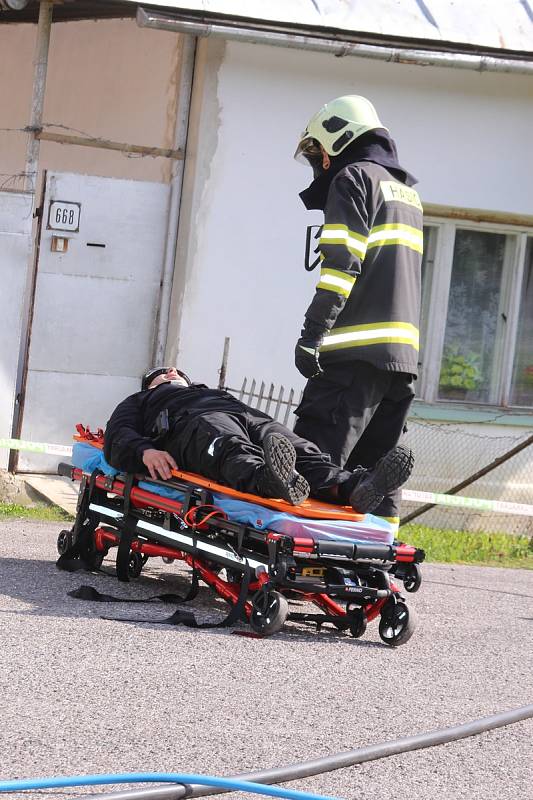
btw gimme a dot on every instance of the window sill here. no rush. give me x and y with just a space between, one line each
470 413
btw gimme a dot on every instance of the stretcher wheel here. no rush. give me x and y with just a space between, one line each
269 612
397 624
413 579
135 564
357 622
64 542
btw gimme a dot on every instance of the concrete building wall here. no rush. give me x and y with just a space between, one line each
107 78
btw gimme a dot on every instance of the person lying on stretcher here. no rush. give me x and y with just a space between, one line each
173 423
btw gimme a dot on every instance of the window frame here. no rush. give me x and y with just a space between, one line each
435 308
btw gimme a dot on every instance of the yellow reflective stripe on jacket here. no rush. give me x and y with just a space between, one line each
373 333
335 281
396 233
341 234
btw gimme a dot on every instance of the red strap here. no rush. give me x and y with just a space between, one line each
191 516
87 435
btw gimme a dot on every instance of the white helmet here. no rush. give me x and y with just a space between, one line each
338 124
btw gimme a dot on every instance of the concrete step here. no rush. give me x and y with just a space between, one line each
56 489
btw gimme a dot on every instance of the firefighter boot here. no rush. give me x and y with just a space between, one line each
278 478
389 473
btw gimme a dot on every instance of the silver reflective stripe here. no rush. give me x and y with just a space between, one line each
106 512
211 448
205 546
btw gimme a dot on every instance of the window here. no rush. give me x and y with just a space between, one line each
472 318
477 315
522 381
428 263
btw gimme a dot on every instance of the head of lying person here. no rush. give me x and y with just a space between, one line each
158 375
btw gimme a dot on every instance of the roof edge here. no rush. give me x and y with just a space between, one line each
72 10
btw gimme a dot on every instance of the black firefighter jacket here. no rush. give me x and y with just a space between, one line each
132 427
368 297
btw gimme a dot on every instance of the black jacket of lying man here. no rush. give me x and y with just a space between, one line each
173 423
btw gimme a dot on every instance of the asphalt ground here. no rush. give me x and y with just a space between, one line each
85 695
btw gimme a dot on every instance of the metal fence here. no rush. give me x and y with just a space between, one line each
278 403
446 454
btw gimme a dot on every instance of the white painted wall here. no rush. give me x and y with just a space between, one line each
240 261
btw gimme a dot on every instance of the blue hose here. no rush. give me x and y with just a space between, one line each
160 777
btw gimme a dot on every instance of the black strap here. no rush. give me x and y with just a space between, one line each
180 616
128 486
341 623
70 564
124 550
237 611
72 561
90 593
86 492
127 528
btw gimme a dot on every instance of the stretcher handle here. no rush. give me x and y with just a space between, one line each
378 550
65 469
353 550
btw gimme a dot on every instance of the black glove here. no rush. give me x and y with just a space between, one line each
306 357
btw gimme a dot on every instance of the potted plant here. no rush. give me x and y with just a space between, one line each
460 372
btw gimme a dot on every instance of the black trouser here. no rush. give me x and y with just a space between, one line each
227 447
356 413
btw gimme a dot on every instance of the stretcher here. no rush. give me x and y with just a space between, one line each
261 555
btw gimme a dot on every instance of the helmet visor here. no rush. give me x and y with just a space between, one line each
308 151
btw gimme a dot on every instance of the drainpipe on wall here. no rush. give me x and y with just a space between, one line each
40 68
180 143
334 46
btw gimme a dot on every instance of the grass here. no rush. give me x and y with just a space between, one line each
41 511
466 547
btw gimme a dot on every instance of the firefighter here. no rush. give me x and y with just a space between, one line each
173 422
358 347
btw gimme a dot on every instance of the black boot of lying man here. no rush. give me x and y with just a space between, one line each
389 474
278 478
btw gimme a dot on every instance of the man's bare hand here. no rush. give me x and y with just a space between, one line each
159 463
